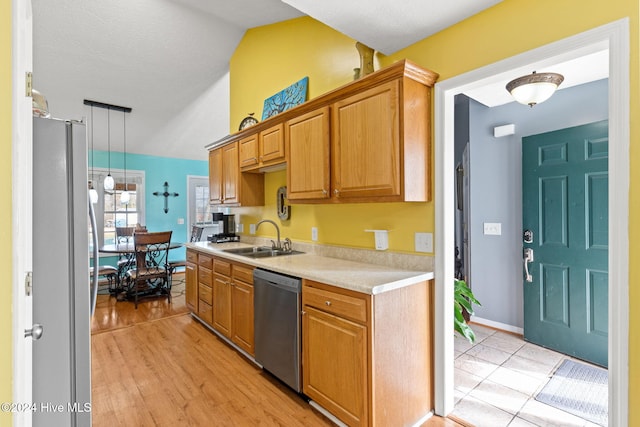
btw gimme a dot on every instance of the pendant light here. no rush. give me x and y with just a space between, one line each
124 196
108 181
93 193
534 88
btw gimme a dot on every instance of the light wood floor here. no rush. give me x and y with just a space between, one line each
157 366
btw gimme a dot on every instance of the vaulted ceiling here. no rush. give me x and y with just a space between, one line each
168 59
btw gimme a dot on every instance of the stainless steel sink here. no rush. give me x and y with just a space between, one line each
260 252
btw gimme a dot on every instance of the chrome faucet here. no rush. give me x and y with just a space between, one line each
277 245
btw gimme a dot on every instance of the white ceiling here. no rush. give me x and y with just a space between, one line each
168 59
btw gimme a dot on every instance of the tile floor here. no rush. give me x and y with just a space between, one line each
498 377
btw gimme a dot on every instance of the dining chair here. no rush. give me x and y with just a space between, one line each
196 234
151 275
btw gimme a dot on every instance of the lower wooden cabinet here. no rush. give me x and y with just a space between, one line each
221 294
367 359
242 308
191 280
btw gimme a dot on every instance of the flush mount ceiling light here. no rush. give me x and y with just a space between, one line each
534 88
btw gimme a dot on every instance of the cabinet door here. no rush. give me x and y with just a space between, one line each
230 173
307 145
272 145
191 286
242 315
335 365
222 304
248 151
366 144
215 176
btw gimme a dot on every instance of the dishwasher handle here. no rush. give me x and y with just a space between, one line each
278 280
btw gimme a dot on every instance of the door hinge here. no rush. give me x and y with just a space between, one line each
28 83
28 283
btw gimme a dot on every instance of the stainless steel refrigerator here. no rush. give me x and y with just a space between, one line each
61 289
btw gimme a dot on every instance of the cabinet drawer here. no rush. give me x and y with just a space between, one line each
222 267
205 311
243 273
205 260
346 306
192 256
204 276
205 294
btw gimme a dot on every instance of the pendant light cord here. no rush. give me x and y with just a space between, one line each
124 127
109 136
92 173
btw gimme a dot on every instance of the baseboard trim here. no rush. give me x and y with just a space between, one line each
497 325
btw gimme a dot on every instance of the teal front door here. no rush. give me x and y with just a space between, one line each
565 235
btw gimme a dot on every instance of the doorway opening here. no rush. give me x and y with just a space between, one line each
615 38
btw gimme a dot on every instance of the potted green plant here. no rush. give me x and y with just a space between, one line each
463 300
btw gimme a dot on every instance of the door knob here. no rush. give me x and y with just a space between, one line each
35 332
528 257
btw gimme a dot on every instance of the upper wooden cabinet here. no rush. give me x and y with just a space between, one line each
227 185
367 141
265 149
307 144
366 144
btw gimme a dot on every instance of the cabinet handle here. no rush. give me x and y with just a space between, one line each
328 303
336 192
303 312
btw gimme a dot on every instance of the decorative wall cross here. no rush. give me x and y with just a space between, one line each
166 195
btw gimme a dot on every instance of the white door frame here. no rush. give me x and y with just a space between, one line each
22 140
615 37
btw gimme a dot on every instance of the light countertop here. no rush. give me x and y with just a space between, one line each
356 276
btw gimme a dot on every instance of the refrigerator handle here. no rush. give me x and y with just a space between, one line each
96 258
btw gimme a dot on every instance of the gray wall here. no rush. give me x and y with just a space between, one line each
496 190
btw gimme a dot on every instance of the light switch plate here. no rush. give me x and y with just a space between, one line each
180 221
252 229
492 228
424 242
314 234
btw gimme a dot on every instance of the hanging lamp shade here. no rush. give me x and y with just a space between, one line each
125 197
534 88
109 183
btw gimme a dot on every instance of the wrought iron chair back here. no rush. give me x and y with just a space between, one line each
196 233
152 274
124 234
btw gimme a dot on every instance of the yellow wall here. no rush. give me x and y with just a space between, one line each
5 212
272 57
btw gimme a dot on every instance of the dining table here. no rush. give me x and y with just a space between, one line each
127 251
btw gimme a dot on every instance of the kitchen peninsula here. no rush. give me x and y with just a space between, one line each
366 328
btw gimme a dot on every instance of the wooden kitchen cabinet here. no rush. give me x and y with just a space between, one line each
307 142
205 293
371 143
334 350
242 332
263 149
233 303
191 280
222 296
227 185
367 358
365 144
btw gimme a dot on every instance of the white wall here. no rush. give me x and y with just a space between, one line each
496 190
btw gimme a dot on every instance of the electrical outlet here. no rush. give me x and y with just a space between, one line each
180 221
424 242
252 229
314 234
239 227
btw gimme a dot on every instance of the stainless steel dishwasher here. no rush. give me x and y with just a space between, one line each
277 305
